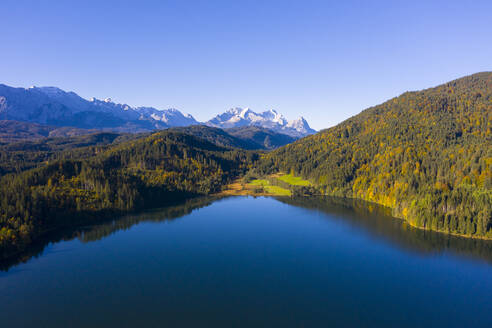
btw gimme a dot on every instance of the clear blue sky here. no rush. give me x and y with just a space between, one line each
325 60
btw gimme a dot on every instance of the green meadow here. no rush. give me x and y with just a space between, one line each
293 180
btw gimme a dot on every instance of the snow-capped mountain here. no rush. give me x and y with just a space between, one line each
56 107
237 117
301 126
171 116
53 106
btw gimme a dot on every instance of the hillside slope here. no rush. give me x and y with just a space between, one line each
11 131
425 154
245 137
19 156
263 138
217 136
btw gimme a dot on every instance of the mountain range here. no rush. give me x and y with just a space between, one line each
56 107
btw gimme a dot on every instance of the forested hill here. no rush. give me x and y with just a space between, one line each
11 131
425 154
245 137
260 137
149 171
20 155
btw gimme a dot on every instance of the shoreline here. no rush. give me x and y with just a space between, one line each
238 188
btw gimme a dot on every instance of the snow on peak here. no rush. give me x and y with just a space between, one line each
171 116
271 119
50 91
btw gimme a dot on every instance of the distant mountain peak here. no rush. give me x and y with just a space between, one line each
171 117
300 119
53 91
270 119
47 89
300 124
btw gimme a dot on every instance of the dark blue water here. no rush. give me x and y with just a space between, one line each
252 262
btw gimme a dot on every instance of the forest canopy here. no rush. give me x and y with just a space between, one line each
426 154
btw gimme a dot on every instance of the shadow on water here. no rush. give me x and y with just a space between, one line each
378 222
105 228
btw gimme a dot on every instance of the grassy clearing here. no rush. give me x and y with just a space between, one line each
259 182
264 187
268 188
276 190
257 187
293 180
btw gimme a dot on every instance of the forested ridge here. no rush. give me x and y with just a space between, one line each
148 171
23 155
12 131
425 154
245 137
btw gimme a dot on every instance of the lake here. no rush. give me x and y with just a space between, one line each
250 262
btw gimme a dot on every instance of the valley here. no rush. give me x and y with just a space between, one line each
426 155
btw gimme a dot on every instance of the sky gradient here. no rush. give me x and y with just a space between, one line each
324 60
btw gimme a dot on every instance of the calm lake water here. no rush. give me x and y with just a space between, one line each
251 262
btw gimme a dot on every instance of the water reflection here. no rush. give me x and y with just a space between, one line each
373 218
105 228
377 221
